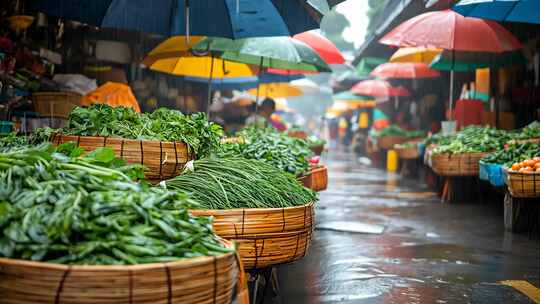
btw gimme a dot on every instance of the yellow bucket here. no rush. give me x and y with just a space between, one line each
391 161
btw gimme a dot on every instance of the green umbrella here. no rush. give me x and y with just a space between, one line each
367 64
266 52
468 61
348 95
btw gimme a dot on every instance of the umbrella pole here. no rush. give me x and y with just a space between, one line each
451 102
209 99
258 86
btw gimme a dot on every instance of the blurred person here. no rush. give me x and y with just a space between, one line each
263 117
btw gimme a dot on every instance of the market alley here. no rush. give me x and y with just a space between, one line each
429 252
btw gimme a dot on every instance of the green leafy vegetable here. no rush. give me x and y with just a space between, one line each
163 124
268 145
512 154
394 130
472 139
60 206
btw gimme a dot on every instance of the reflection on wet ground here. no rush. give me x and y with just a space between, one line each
429 252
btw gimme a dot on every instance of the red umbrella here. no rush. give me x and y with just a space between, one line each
378 88
322 46
411 70
451 31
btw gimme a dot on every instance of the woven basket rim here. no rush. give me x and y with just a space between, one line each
120 268
516 173
120 138
251 210
459 154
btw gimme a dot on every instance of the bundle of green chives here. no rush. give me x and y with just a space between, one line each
235 182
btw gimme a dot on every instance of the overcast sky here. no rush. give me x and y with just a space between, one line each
355 11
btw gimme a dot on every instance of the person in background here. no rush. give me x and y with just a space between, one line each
263 117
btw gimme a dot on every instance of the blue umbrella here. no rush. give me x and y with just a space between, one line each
244 83
227 84
501 10
216 18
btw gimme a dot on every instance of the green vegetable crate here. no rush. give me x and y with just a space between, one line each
162 160
195 280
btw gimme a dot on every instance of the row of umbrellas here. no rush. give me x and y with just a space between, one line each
228 43
450 41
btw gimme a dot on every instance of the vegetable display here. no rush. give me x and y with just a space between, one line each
527 166
163 124
472 139
59 206
394 130
268 145
14 140
530 131
513 153
235 182
314 141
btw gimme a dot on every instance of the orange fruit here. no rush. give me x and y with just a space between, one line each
530 163
537 166
516 167
536 159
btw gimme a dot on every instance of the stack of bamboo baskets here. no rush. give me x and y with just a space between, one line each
197 280
266 237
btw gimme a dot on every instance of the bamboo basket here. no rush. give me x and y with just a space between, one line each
163 160
266 237
317 150
55 104
464 164
388 142
196 280
523 185
316 179
406 153
298 134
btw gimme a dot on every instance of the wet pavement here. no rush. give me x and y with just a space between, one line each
427 252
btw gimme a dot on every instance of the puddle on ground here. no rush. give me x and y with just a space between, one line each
352 227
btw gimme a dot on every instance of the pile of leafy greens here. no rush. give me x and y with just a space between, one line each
270 146
201 135
472 139
59 206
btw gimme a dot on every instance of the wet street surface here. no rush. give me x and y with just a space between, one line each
406 246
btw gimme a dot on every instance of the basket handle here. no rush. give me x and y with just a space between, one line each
242 293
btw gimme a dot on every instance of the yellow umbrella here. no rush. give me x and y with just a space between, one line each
415 54
355 104
277 90
173 56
